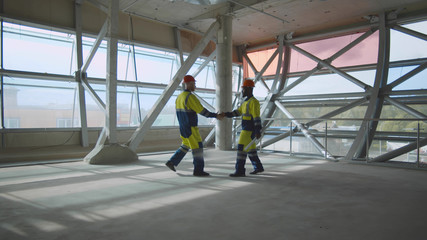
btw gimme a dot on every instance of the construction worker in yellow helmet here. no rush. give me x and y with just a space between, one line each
251 128
187 108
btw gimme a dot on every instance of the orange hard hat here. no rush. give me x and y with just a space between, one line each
248 83
189 78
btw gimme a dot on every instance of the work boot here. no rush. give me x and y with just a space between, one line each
256 171
170 165
236 174
201 174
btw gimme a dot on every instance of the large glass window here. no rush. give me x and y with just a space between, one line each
363 53
97 67
331 83
326 92
405 46
36 50
154 66
30 103
415 82
54 103
258 60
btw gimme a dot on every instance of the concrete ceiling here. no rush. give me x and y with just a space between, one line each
256 21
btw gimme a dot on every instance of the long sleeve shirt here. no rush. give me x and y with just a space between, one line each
250 112
187 108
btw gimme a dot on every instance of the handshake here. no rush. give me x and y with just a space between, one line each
220 116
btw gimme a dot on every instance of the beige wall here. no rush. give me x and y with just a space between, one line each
56 144
156 138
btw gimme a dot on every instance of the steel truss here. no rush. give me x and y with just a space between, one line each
374 97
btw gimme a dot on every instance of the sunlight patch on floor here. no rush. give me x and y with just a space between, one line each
19 180
174 196
14 229
45 226
120 209
9 176
106 192
85 216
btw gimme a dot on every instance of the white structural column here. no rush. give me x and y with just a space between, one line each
111 152
80 75
223 137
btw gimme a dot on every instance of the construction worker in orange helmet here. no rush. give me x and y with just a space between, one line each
187 108
251 128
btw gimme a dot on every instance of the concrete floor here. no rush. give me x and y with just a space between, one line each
293 199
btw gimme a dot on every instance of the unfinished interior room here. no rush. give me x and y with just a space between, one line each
213 119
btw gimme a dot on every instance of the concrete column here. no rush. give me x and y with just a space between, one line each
223 136
111 115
